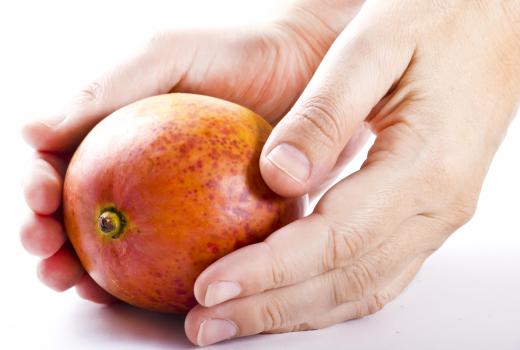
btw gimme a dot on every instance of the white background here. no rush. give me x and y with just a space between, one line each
466 296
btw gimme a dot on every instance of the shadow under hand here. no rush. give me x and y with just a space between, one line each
121 323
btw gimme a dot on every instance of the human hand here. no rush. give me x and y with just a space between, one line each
437 82
263 68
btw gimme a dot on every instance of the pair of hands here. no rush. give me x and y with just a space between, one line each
436 81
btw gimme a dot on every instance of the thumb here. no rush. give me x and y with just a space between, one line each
356 73
150 72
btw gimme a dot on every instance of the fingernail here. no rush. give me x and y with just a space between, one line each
52 121
215 330
220 291
291 161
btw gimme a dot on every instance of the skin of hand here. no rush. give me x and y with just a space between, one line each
264 68
438 82
439 90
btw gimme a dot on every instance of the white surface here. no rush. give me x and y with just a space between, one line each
465 297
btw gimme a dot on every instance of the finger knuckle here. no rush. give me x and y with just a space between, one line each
322 118
351 284
456 192
377 302
363 44
344 244
361 309
93 92
339 295
360 278
464 202
341 247
279 273
274 314
462 211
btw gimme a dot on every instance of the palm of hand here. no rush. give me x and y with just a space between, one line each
263 70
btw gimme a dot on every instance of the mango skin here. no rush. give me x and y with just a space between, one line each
183 170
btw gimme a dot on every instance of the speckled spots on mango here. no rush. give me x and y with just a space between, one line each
184 169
